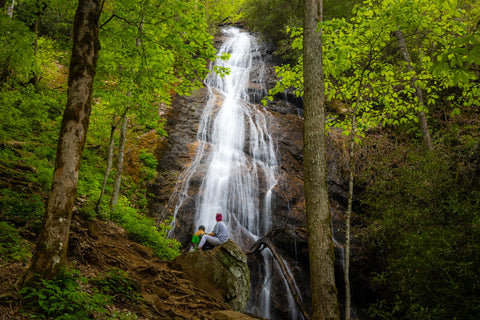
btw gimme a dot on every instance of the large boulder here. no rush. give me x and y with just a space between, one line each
222 271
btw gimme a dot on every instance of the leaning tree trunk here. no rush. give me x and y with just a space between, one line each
51 250
422 118
113 127
319 220
121 151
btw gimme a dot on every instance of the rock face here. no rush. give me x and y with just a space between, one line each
222 271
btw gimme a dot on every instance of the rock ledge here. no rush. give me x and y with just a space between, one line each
222 271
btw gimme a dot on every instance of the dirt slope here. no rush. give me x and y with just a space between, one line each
97 246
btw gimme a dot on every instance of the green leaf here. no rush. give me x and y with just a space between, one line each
455 112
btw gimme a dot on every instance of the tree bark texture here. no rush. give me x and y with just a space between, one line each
51 251
422 118
319 220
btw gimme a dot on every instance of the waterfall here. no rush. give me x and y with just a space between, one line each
235 143
236 153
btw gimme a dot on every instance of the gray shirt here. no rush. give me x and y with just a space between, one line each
221 232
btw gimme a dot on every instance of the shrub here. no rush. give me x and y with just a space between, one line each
143 229
149 171
149 159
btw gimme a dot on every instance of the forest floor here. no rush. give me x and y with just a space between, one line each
96 247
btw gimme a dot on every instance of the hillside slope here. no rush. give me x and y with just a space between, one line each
96 247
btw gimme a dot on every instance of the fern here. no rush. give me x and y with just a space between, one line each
63 298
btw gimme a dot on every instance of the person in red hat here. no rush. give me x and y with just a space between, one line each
218 236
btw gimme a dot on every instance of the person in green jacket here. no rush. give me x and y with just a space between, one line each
197 236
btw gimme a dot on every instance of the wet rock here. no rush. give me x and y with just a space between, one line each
289 201
175 152
291 244
222 271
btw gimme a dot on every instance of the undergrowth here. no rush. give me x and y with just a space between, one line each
69 296
144 230
12 246
423 225
119 285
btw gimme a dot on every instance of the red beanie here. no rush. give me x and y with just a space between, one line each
219 217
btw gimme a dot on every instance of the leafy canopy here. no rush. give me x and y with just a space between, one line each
361 55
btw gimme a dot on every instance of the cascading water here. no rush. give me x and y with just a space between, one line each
235 143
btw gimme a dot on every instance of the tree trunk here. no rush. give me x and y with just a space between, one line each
348 216
51 251
422 118
351 165
123 133
121 151
109 163
319 220
140 31
10 9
